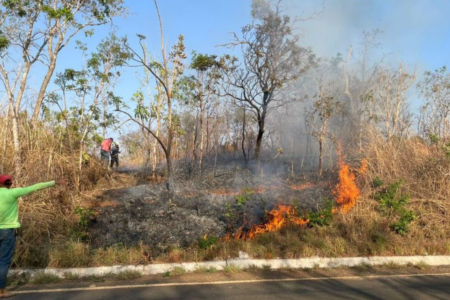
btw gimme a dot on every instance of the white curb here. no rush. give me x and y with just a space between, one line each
302 263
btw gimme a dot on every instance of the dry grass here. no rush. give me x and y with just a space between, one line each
48 217
119 255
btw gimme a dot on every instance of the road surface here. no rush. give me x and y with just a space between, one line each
396 287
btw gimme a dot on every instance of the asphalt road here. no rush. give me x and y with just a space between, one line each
423 287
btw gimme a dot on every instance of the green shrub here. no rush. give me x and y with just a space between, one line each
323 217
377 182
207 241
401 226
86 216
241 200
393 202
434 139
390 198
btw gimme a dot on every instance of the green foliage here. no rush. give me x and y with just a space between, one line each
406 217
207 241
323 217
15 7
86 215
176 271
241 200
377 182
234 211
434 139
141 111
59 13
446 149
4 42
393 203
390 198
203 62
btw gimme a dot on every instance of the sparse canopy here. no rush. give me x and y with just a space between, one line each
272 58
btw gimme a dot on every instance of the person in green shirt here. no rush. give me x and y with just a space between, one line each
9 222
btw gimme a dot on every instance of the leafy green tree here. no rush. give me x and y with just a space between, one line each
91 86
37 31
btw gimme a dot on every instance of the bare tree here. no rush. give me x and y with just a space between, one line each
318 117
271 59
389 101
435 114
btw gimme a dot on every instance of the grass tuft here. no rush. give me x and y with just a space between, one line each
125 275
232 269
43 278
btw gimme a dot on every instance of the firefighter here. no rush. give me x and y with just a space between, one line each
105 151
115 156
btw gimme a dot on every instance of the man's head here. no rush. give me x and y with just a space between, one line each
111 139
6 181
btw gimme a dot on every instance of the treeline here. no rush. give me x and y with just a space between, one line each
274 99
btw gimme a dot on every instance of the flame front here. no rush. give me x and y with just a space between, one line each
346 192
277 218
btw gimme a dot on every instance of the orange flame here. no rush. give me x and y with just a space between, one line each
363 168
346 191
277 218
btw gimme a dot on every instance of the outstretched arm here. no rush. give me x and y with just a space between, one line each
19 192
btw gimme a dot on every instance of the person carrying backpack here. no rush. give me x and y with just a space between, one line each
115 156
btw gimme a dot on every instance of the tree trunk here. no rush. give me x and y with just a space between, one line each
243 140
259 138
202 138
16 141
321 145
42 90
194 146
169 184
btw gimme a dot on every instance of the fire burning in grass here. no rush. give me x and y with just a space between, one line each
346 192
277 218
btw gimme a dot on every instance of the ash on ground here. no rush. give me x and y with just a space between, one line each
214 205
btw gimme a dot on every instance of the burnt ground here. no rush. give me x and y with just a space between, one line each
147 214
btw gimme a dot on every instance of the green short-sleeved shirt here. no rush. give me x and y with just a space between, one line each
9 210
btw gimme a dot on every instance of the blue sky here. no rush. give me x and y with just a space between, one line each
416 32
